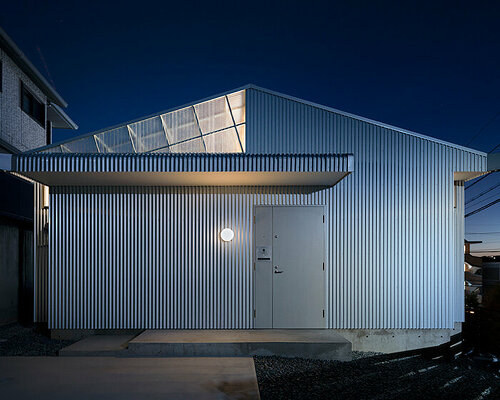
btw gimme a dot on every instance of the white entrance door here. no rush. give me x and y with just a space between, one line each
296 268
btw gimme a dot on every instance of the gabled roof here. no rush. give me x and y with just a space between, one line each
273 93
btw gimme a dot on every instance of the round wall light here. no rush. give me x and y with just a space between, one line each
227 234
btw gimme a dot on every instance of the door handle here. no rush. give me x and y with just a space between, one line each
276 271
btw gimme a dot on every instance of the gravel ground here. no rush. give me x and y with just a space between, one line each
368 376
371 376
17 340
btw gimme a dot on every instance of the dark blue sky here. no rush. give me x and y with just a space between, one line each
433 68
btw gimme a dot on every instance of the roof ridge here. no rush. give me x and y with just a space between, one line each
23 62
278 94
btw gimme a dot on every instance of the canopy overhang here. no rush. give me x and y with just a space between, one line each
226 178
182 169
59 119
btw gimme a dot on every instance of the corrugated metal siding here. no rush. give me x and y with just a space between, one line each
181 162
150 258
392 254
459 279
41 256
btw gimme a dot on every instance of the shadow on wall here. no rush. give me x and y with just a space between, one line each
16 250
16 272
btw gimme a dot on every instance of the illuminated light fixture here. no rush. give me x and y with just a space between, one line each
45 197
227 234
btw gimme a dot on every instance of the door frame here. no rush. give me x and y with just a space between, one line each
256 323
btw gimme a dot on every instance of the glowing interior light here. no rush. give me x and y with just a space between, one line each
227 234
45 197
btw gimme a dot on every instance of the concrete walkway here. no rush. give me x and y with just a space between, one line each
323 344
127 378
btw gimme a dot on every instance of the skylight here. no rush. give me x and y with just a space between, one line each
214 126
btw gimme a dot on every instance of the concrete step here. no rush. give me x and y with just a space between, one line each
306 343
98 345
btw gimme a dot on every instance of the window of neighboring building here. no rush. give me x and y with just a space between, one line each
48 132
32 106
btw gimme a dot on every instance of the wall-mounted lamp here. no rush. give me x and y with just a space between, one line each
227 234
45 197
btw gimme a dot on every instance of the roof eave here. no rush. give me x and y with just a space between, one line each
7 146
29 69
59 118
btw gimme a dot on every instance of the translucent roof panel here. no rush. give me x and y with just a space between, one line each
214 115
213 126
115 141
162 150
148 135
241 134
84 145
237 103
225 141
190 146
181 125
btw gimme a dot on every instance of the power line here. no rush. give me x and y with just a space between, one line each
45 66
490 121
468 204
479 233
482 233
491 151
483 193
483 208
479 180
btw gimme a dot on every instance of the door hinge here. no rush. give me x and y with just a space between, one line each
323 265
323 313
254 266
254 219
254 313
323 219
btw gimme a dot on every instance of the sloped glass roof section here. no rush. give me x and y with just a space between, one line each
213 126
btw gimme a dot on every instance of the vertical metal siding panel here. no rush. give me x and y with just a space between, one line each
121 223
388 264
458 269
392 266
41 256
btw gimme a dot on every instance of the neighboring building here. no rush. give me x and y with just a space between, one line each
473 267
491 273
289 215
29 109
